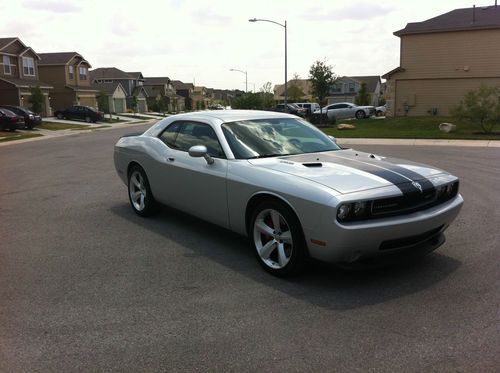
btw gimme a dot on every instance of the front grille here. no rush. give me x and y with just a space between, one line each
408 202
409 241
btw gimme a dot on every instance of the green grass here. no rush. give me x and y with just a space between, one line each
410 128
54 126
12 136
135 116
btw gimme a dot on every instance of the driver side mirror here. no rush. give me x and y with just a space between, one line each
334 139
199 151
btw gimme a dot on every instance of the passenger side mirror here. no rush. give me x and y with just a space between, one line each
334 139
198 151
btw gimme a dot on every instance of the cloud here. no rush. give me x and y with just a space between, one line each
357 11
55 6
208 17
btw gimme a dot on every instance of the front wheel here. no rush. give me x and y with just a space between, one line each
139 192
87 119
60 116
278 239
360 114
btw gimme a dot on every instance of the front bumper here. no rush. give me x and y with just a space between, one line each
352 241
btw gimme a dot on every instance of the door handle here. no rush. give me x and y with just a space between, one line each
170 159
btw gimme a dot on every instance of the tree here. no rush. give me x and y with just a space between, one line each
363 97
248 101
295 93
36 100
480 107
267 96
102 102
135 103
322 77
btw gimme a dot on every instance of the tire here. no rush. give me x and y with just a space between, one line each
379 113
139 193
360 114
282 252
87 119
60 116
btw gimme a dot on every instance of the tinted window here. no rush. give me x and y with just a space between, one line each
170 134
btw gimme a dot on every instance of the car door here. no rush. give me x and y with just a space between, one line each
191 184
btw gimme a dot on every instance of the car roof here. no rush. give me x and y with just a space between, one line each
233 115
7 111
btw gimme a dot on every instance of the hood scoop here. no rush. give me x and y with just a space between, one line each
313 164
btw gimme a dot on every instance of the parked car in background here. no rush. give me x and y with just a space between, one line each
216 107
310 107
85 113
343 110
380 111
292 109
30 119
10 120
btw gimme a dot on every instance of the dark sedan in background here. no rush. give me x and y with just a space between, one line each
29 119
10 121
85 113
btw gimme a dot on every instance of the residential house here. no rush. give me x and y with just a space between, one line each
443 58
68 73
184 90
303 91
346 88
132 83
201 98
161 88
19 74
116 97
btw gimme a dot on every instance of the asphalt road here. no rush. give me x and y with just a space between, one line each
86 285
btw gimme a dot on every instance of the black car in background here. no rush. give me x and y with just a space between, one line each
291 109
31 120
9 120
85 113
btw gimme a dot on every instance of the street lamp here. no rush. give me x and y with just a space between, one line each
246 78
284 26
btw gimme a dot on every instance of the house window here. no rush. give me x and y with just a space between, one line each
71 72
83 73
351 87
6 65
28 66
337 87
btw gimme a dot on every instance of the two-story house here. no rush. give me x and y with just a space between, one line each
19 74
68 73
443 58
185 90
346 88
161 88
132 83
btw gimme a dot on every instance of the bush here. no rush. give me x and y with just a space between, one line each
325 121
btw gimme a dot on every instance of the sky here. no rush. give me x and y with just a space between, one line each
200 41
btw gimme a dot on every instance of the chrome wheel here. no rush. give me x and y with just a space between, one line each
273 238
137 190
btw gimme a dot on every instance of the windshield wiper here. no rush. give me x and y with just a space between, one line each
269 155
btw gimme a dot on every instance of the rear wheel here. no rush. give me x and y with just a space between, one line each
87 119
360 114
139 192
278 239
60 116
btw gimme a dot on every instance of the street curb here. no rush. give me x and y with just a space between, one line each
420 142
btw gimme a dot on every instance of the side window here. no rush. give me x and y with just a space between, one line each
169 135
192 133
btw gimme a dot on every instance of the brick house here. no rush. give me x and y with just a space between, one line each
19 73
68 73
443 58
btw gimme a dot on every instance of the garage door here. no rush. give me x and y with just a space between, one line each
119 105
141 106
87 101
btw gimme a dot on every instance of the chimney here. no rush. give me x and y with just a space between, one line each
474 14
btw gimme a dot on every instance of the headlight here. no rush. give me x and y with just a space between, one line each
359 208
343 211
31 116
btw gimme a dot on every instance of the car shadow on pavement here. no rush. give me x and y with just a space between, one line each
326 285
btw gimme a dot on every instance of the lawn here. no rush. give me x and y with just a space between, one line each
54 126
410 128
11 136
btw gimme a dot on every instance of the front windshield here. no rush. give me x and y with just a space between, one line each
261 138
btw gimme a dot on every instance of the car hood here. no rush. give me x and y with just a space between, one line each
348 171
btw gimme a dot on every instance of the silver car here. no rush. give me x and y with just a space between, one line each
344 110
288 186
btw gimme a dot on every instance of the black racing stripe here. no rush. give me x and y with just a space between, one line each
403 180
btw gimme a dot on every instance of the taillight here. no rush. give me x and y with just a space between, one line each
13 119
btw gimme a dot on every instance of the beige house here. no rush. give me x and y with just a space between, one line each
19 74
68 72
443 58
115 94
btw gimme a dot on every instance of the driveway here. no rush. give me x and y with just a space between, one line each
86 285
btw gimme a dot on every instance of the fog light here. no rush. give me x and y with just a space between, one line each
343 211
359 208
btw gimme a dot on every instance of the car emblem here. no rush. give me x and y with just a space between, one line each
417 185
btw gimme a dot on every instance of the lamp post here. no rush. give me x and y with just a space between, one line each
246 78
284 26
